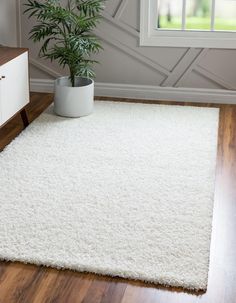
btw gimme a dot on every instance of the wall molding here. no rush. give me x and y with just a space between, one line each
41 85
181 67
44 68
149 92
192 66
175 78
121 25
212 77
106 37
120 9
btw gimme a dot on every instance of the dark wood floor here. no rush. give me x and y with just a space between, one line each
20 283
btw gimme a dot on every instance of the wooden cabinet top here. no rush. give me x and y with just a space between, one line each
9 53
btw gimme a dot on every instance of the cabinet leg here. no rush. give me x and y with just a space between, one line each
24 117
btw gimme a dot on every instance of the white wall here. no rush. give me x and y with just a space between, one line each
8 21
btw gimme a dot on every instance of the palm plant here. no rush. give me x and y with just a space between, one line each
67 32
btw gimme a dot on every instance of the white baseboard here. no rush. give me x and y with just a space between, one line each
41 85
149 92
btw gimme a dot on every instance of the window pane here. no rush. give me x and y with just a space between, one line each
170 14
225 15
198 14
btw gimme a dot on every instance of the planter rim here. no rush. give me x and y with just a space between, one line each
66 78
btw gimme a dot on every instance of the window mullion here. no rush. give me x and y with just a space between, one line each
156 16
213 5
184 15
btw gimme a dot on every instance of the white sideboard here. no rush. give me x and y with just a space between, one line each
14 83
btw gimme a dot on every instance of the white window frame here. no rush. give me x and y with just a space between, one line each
151 36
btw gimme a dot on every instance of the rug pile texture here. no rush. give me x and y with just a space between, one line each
127 191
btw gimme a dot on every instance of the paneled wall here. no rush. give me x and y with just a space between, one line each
124 61
8 22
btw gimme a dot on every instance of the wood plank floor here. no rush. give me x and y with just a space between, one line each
20 283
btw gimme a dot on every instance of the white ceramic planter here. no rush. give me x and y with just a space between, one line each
75 101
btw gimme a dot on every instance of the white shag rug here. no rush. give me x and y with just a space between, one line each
127 191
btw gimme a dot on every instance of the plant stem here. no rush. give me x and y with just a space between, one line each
72 77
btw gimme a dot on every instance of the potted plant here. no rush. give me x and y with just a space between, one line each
66 30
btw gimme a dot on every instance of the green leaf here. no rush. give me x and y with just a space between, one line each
65 31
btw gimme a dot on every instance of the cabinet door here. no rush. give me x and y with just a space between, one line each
14 89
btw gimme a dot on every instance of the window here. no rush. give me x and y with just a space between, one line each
188 23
